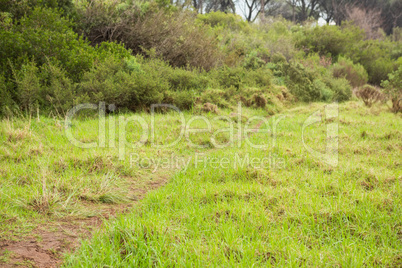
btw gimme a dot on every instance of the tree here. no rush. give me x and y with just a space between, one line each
337 11
198 5
333 10
392 15
220 5
393 87
303 9
252 8
368 20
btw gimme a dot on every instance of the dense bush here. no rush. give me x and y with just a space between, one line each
18 9
181 79
375 57
329 40
341 88
146 29
227 21
378 57
183 100
57 88
112 81
219 97
311 79
6 100
239 77
393 87
300 82
108 81
140 53
28 86
354 73
44 35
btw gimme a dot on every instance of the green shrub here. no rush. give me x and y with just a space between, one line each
326 93
329 40
18 9
228 77
379 69
118 50
181 79
44 35
148 87
6 100
299 80
393 88
278 58
230 21
132 83
108 81
278 37
28 86
183 100
354 73
261 77
308 81
340 87
216 96
57 88
255 60
238 77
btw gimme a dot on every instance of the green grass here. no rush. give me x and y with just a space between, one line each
44 178
294 211
302 214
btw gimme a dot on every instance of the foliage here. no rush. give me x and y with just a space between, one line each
239 77
354 73
111 81
28 86
228 21
6 101
19 9
329 40
148 30
376 56
184 100
57 88
185 58
340 87
219 97
44 35
393 87
369 95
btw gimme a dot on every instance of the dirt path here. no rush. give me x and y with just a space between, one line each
46 245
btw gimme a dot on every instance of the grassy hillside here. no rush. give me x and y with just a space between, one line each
301 213
286 152
221 207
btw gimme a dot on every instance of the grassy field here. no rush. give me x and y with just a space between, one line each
238 205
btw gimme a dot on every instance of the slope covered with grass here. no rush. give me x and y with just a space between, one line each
299 213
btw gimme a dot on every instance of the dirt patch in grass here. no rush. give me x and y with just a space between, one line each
48 243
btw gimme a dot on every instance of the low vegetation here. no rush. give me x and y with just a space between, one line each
302 213
58 55
247 89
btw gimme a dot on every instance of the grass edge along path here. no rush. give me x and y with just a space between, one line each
306 214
